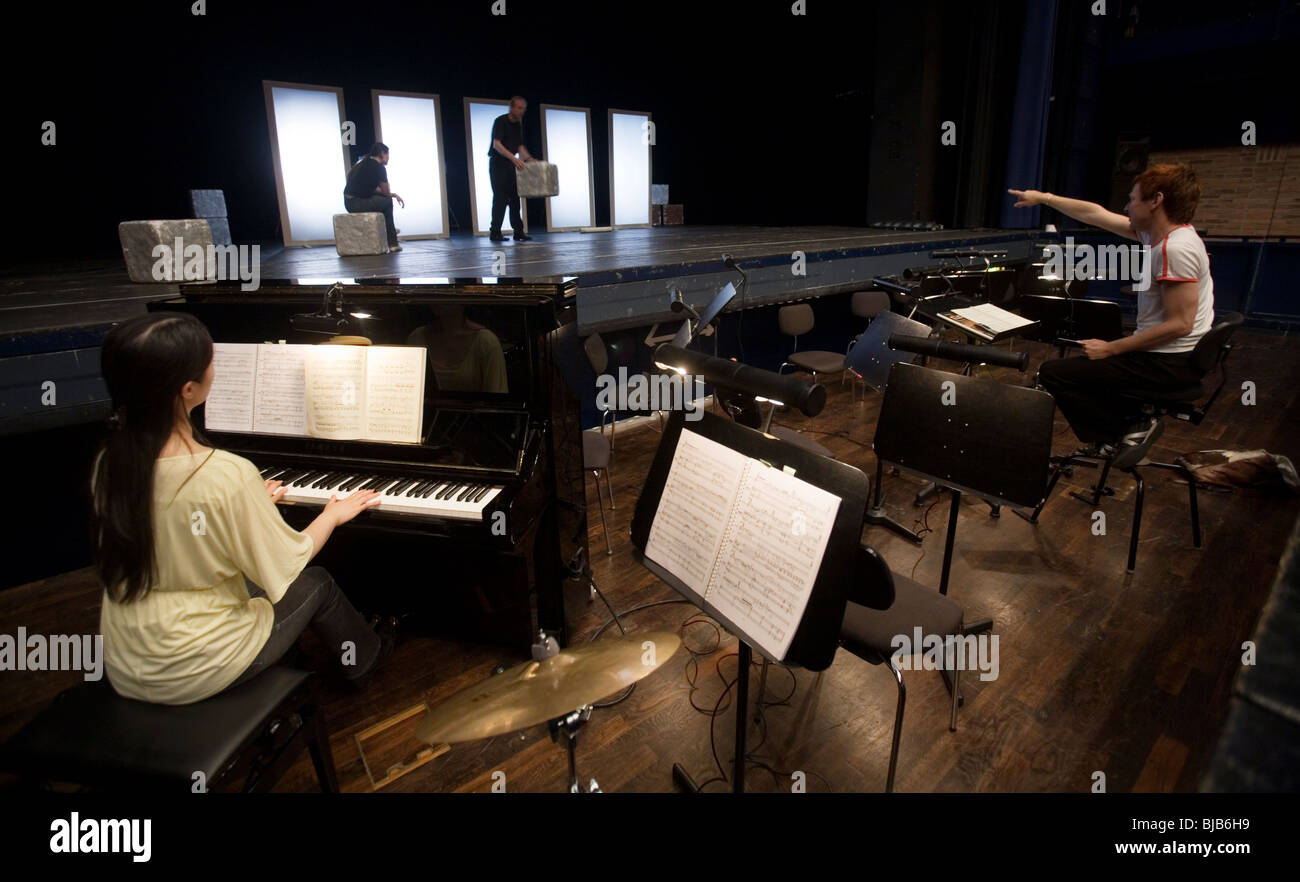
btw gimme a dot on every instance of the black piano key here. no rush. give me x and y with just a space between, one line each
351 482
434 487
273 472
288 476
471 488
325 481
415 489
369 484
266 471
400 487
445 492
307 478
383 483
480 494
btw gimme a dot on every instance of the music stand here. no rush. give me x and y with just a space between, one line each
978 436
1072 318
686 333
816 637
872 359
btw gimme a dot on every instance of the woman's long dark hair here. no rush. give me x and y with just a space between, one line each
145 362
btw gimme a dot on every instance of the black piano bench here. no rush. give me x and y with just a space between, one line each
242 739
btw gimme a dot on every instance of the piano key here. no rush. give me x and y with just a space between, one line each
436 498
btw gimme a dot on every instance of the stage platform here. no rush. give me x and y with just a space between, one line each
53 317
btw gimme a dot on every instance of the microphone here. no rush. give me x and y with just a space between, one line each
787 389
959 351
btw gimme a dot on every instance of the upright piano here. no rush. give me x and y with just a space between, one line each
482 522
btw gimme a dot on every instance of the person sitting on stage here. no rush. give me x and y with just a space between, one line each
178 527
463 355
1174 311
367 190
507 140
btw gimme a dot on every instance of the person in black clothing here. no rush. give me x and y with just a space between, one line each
507 140
367 190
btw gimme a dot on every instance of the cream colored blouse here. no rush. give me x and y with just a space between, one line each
196 629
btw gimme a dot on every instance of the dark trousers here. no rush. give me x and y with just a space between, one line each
378 202
314 600
505 193
1090 393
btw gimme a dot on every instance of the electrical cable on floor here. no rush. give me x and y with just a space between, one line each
627 693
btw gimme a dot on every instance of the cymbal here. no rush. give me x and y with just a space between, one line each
537 691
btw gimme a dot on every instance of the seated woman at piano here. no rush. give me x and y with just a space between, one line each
464 356
205 585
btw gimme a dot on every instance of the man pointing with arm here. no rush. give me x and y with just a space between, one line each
1174 311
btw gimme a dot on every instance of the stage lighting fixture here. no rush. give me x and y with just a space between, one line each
410 123
629 168
311 163
480 114
566 138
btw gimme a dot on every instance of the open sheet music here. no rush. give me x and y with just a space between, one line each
746 537
986 321
343 393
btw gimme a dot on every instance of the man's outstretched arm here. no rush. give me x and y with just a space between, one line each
1089 213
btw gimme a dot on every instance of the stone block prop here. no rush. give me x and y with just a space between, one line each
361 233
210 205
186 254
537 179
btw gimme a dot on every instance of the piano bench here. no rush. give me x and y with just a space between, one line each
92 737
362 232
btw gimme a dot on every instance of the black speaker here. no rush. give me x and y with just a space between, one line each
1131 157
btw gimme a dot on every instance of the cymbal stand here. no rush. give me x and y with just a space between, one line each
568 726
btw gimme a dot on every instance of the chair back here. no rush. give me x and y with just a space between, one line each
869 304
597 354
1212 349
873 583
795 320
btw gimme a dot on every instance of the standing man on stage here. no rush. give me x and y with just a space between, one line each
367 190
507 140
1174 311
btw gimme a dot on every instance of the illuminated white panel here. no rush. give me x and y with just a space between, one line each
567 133
310 160
629 169
411 126
479 116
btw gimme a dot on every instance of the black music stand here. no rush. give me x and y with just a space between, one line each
1072 318
817 637
872 359
993 441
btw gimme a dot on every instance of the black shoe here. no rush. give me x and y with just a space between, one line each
1137 443
496 237
387 631
522 237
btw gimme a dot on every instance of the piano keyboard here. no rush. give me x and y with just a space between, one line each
433 498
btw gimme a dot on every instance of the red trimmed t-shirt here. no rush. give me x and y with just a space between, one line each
1179 257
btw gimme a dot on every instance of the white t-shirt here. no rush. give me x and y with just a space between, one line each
1179 257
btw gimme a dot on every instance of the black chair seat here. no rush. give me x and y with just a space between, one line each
818 361
91 735
869 633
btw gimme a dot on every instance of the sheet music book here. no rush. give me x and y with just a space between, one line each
746 537
342 393
985 321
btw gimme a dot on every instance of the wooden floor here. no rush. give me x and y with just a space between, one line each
1099 671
